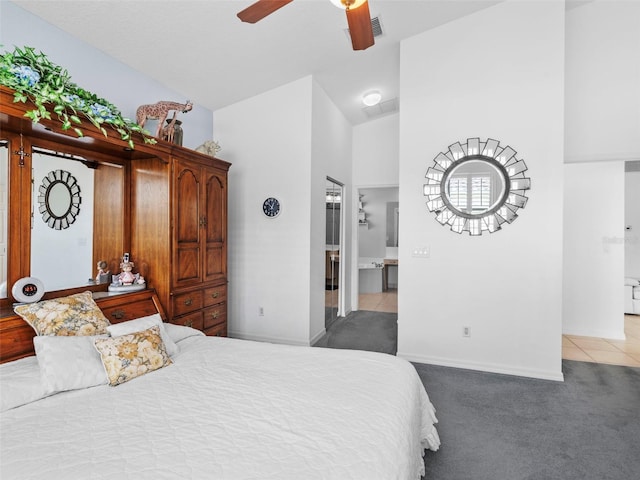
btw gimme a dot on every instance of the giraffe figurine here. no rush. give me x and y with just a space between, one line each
160 111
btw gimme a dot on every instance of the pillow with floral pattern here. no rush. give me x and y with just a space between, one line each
126 357
75 314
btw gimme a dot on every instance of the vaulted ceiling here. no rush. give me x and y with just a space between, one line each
201 49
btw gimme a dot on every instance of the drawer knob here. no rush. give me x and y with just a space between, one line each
188 323
214 315
118 314
215 294
188 302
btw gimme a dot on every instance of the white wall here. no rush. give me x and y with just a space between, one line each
331 146
490 74
603 81
602 124
267 138
632 218
97 72
282 143
593 260
375 152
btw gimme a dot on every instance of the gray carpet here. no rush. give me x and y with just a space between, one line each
501 427
363 330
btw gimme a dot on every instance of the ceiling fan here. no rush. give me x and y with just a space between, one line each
358 18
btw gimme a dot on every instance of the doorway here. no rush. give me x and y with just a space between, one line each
333 245
376 286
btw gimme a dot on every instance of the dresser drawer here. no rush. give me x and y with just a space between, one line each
215 315
215 295
128 311
217 331
187 302
193 320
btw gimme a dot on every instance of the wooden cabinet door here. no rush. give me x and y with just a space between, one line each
215 225
187 222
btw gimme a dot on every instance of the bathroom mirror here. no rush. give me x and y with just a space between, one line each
393 223
476 186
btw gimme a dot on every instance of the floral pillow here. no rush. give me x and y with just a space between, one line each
73 315
129 356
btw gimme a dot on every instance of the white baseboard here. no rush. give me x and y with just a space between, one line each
318 336
268 339
597 333
491 368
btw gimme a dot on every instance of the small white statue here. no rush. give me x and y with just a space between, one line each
210 147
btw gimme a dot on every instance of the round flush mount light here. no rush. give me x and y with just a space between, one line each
371 98
352 4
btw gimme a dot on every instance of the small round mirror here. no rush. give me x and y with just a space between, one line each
59 199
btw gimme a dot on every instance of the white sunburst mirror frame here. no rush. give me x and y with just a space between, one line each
476 186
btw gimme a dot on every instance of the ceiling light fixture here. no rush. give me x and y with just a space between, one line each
352 4
371 98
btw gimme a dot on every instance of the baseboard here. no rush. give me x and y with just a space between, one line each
491 368
596 333
318 336
267 339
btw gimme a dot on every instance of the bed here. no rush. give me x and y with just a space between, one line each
219 408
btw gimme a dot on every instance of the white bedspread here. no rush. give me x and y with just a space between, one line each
232 409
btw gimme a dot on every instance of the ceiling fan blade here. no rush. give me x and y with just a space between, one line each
261 9
359 20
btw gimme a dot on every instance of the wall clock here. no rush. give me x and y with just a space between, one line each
28 290
271 207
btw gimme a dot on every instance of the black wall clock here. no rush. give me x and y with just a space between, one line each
271 207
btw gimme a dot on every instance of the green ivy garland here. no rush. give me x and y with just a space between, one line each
34 77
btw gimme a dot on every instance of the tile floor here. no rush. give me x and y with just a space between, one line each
379 302
602 350
585 349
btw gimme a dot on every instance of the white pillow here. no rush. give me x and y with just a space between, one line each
180 332
21 383
69 363
143 323
631 281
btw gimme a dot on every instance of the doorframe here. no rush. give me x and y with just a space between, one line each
341 242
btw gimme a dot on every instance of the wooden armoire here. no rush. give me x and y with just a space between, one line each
164 204
178 235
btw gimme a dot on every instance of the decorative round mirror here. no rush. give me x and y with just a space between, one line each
59 199
477 186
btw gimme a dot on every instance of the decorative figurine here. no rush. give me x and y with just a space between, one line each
159 111
103 272
172 131
126 276
126 280
210 147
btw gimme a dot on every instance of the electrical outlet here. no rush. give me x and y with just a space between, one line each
261 311
466 331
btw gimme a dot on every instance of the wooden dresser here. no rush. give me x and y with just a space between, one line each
164 204
16 335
